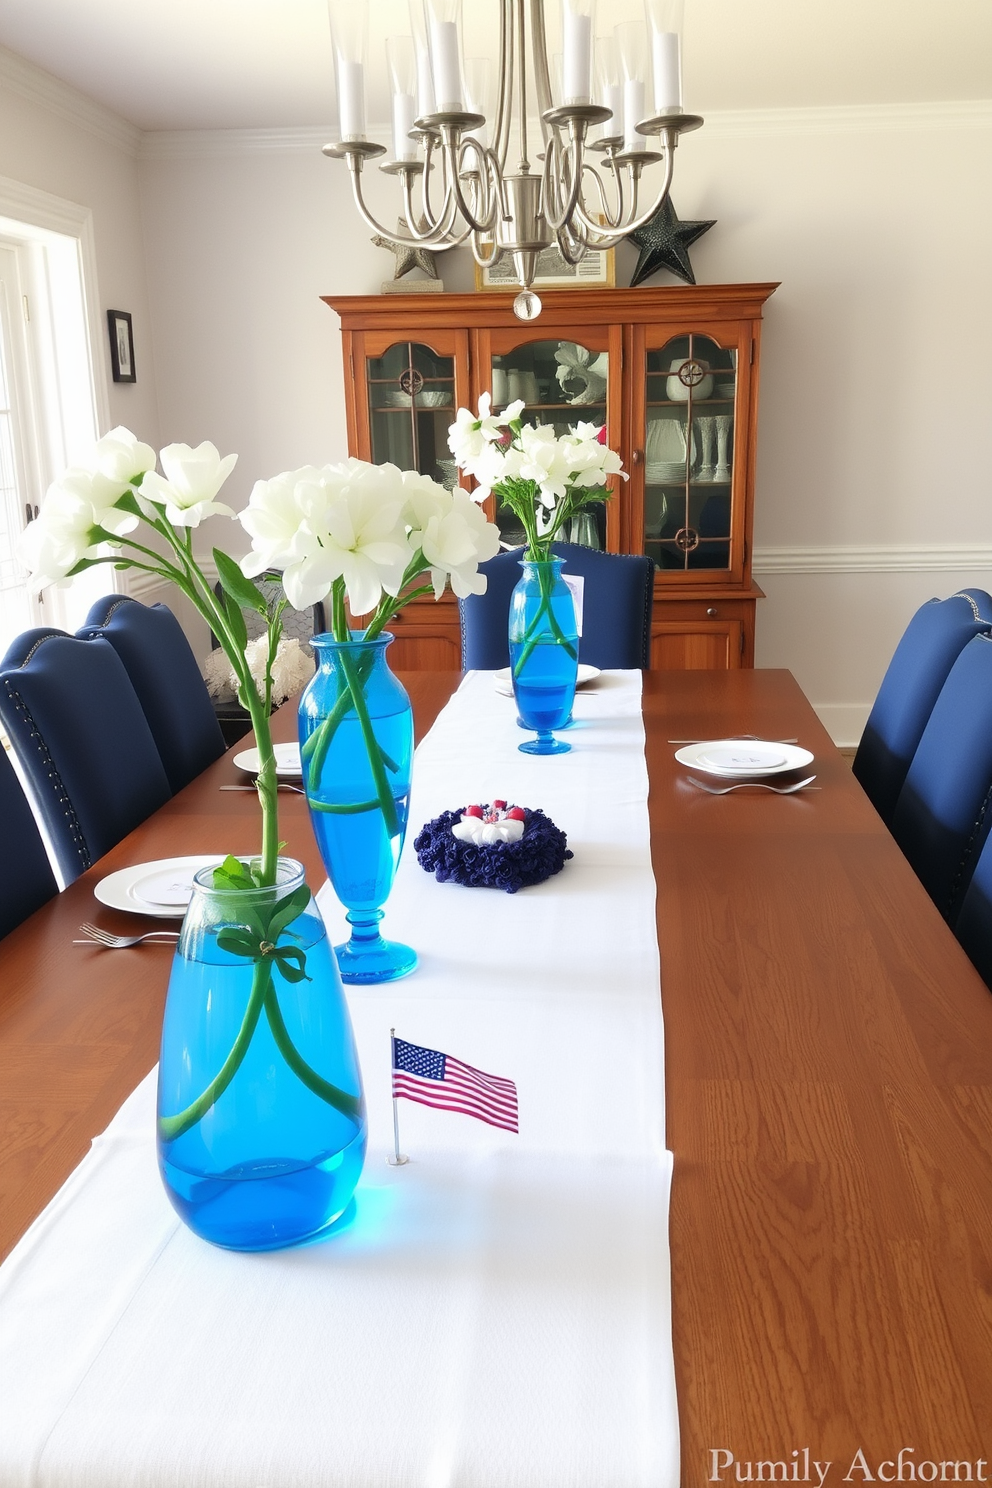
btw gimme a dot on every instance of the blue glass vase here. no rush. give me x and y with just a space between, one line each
356 747
544 653
261 1116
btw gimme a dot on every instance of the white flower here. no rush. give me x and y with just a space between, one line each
322 524
469 435
545 461
120 457
495 464
192 479
52 545
453 534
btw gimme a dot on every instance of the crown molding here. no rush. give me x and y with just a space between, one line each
39 87
835 119
902 559
856 118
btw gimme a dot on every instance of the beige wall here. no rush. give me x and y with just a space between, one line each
873 486
59 142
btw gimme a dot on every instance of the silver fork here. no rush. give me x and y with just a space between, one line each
776 790
283 786
96 936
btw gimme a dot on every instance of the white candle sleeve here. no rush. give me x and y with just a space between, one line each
447 71
404 116
351 100
667 71
633 113
577 67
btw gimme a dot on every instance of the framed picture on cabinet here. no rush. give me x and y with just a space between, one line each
121 345
553 272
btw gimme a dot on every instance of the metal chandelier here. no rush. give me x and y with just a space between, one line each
609 106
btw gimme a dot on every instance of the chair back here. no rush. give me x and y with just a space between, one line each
173 695
931 643
26 877
942 816
618 595
84 744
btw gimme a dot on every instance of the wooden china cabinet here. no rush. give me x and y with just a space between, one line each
673 373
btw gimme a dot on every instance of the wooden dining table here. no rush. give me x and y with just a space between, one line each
828 1078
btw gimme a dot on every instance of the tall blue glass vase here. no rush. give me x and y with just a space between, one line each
544 653
356 745
261 1117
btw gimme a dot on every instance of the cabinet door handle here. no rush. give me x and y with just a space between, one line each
636 456
711 612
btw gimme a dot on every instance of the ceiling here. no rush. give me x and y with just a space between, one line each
210 64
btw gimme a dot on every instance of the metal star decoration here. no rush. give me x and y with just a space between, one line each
409 257
663 242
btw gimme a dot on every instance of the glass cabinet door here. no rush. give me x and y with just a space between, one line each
689 453
562 383
411 401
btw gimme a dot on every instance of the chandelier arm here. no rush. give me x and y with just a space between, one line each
611 238
566 237
542 81
570 173
458 195
437 243
604 217
484 260
524 166
484 195
501 129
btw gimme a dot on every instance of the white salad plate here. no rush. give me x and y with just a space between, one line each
743 758
504 681
287 760
161 889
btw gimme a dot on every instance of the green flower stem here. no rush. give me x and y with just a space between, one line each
172 1127
376 763
531 637
349 808
349 1105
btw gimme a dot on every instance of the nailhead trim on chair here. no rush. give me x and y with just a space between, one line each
48 764
975 612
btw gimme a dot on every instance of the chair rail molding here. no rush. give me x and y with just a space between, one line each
901 558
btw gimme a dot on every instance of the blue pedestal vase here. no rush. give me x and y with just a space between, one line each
356 747
544 653
261 1117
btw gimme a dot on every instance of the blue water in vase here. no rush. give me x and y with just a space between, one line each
270 1163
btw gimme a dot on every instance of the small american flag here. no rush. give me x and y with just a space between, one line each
436 1079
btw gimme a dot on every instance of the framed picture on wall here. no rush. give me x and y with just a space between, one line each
121 345
553 271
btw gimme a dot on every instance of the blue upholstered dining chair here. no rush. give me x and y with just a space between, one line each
26 877
942 816
616 605
173 695
930 645
973 926
77 728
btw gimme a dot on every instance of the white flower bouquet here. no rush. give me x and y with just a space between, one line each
373 537
543 477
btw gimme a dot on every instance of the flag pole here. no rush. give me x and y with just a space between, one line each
398 1158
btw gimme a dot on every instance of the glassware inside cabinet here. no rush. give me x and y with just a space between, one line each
411 391
560 383
689 453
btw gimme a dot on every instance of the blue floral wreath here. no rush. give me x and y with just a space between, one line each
540 852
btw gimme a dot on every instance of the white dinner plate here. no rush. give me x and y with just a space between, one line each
743 758
504 681
168 884
287 760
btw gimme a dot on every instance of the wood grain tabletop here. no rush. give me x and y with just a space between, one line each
829 1088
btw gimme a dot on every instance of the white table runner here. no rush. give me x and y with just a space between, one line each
498 1311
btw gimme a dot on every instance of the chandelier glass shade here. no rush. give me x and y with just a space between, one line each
471 168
